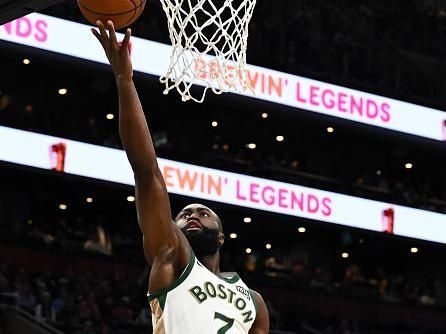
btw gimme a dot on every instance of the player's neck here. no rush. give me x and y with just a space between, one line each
212 262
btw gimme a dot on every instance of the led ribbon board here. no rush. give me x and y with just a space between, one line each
149 57
46 152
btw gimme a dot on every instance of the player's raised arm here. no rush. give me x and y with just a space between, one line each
161 236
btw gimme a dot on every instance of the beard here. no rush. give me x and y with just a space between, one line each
204 242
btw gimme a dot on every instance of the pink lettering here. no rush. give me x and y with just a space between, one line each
385 108
356 106
314 91
8 27
342 100
23 27
268 198
41 34
372 109
328 103
299 201
282 198
298 96
254 192
238 194
312 204
326 207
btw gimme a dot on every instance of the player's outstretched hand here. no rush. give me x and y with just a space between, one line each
117 53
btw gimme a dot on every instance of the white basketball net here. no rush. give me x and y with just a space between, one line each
209 40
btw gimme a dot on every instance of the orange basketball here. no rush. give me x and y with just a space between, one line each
121 12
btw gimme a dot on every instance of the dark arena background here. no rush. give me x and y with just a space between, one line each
330 180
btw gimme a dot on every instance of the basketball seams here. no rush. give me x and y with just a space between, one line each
141 8
135 7
112 14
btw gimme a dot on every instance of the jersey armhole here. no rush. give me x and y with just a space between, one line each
161 294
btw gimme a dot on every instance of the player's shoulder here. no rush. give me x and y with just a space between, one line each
257 297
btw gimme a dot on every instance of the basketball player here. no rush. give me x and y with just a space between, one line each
187 292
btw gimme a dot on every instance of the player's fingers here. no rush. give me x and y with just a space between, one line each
98 36
100 39
102 29
111 29
126 40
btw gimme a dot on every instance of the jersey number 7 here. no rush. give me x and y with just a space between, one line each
229 322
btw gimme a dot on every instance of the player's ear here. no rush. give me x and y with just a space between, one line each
221 238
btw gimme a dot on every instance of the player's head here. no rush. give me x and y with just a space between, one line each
202 228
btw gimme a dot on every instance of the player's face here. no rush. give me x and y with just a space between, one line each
196 216
201 227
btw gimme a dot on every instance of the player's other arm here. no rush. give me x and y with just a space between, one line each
161 236
261 323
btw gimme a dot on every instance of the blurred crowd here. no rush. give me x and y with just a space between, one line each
103 302
293 267
78 302
289 268
76 267
388 46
